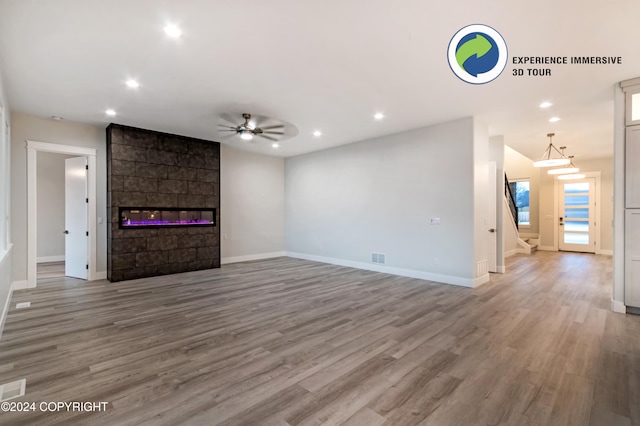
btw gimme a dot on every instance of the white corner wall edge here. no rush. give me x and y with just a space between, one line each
247 258
618 307
45 259
446 279
605 252
102 275
501 268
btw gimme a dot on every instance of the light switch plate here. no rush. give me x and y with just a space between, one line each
435 221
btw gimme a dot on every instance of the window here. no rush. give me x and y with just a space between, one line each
520 191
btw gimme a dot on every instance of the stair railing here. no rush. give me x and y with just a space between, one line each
511 201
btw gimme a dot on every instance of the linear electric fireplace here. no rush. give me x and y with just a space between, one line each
145 217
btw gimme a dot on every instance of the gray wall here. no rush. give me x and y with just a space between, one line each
50 192
379 195
252 197
27 127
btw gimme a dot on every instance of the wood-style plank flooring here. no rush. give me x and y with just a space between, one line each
292 342
50 270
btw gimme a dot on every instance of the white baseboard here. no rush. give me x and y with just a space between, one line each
482 279
547 248
20 285
260 256
511 252
45 259
618 307
16 285
606 252
102 275
5 310
446 279
501 269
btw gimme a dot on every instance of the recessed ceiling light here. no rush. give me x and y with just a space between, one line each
110 112
545 104
317 133
379 116
172 31
56 117
554 119
275 145
133 84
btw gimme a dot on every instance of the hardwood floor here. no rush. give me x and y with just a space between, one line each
47 270
292 342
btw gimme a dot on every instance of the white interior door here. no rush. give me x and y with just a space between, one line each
577 215
75 217
492 214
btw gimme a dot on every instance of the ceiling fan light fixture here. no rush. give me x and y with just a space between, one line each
547 161
246 135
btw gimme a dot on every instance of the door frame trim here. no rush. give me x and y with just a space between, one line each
556 209
33 147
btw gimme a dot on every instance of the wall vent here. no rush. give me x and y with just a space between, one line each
13 390
378 258
481 268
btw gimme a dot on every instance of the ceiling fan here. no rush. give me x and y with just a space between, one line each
249 129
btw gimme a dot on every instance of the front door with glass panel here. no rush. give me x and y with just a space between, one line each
577 215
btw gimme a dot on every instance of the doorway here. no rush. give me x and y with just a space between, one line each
89 247
577 215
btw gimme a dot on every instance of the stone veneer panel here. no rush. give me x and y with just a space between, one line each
153 169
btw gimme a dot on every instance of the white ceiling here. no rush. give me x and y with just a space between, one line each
327 65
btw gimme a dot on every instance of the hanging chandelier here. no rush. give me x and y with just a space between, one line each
546 160
570 168
572 176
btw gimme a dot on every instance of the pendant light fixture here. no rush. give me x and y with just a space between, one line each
547 161
570 168
572 176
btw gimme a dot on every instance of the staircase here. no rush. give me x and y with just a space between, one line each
529 245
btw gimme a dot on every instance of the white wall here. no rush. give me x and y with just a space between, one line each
5 255
517 167
50 192
344 203
481 222
252 205
496 153
27 127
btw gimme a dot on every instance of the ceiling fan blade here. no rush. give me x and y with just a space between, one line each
232 120
273 133
225 126
228 130
277 126
262 135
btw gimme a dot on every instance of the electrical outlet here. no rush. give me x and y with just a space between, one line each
435 221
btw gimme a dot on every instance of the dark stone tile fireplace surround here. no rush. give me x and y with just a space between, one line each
160 170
